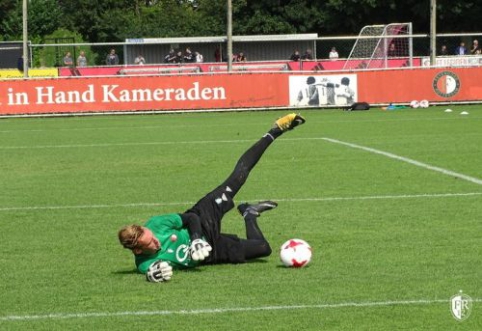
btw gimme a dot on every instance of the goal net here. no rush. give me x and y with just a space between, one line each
376 44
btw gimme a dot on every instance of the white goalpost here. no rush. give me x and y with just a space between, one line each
378 43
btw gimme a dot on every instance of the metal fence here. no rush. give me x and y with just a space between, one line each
421 44
256 48
154 50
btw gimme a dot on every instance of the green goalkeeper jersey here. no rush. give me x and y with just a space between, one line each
175 242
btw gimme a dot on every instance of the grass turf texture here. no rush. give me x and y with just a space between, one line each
392 241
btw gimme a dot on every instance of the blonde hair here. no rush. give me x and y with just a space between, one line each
129 235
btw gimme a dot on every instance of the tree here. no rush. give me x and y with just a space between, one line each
116 20
43 18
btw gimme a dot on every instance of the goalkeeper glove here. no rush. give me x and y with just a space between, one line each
200 249
159 271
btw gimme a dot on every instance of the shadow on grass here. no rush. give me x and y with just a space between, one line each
188 270
125 272
280 266
257 261
135 272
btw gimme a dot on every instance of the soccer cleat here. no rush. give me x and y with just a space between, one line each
289 122
256 209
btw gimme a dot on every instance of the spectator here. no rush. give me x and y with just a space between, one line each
178 58
112 58
169 58
199 57
333 55
392 50
20 63
461 49
308 55
188 55
140 60
475 49
241 57
81 60
295 56
443 51
67 61
217 54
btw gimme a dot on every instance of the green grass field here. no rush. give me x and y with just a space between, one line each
391 202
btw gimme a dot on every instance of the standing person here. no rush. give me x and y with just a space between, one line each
308 55
461 49
443 51
112 59
139 60
295 56
188 56
475 49
170 57
333 55
199 57
178 58
178 241
241 57
67 60
20 63
392 50
81 60
217 54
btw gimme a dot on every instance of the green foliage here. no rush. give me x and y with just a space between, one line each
43 18
51 56
114 20
7 10
261 23
171 19
89 17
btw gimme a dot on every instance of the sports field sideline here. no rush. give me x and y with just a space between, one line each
391 202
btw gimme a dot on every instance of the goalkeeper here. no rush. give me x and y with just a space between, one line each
177 241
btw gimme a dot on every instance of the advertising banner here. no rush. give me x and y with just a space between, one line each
238 90
143 93
434 85
323 90
454 61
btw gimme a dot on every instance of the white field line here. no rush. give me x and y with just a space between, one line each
185 203
153 143
226 310
407 160
160 143
161 125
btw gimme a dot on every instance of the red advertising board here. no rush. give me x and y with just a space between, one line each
237 90
435 85
96 94
386 86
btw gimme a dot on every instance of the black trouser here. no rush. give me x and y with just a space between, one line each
212 207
